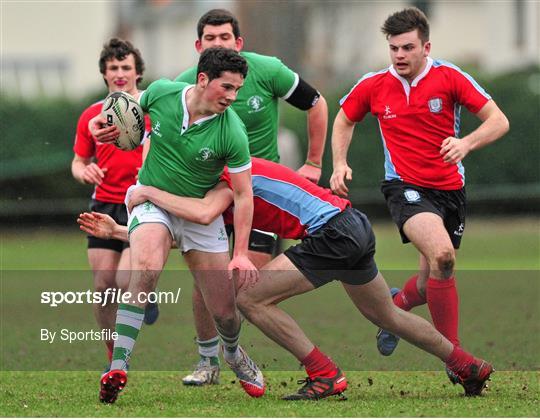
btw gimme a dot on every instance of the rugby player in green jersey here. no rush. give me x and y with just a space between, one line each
257 105
194 135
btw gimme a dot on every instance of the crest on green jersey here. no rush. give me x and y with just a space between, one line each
255 102
206 154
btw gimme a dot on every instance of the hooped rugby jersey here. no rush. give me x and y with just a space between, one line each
122 166
268 79
415 119
286 203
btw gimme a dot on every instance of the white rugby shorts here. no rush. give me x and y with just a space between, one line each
188 235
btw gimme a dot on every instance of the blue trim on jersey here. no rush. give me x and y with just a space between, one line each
457 119
461 171
312 212
389 168
364 77
439 63
457 128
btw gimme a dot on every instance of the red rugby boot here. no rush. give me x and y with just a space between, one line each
320 387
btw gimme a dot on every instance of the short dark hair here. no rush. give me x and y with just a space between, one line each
216 17
407 20
120 49
214 61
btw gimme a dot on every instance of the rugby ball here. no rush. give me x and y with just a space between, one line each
122 110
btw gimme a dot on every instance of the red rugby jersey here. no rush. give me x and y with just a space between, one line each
415 119
286 203
121 165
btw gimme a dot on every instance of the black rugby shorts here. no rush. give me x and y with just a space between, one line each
343 249
406 200
119 213
259 241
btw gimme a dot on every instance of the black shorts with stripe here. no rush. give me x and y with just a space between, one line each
259 241
406 200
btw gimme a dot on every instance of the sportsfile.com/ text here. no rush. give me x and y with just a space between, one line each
109 296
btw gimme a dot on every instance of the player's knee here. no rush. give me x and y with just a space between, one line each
104 279
445 261
246 304
122 279
384 318
143 280
225 320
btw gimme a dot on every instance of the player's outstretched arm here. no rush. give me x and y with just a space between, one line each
317 125
494 126
341 140
243 216
198 210
102 226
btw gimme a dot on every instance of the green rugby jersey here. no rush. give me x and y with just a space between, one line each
268 80
189 161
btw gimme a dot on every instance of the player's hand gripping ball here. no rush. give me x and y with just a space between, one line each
122 110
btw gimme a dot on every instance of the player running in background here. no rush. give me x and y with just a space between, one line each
257 105
337 243
194 135
417 102
112 171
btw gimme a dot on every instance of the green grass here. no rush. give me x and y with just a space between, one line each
498 277
370 394
504 244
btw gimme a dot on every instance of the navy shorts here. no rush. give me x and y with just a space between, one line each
406 200
119 213
343 249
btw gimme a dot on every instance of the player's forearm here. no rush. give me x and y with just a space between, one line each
193 209
317 122
342 132
120 233
493 128
243 216
77 170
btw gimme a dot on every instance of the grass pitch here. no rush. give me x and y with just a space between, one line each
498 277
370 394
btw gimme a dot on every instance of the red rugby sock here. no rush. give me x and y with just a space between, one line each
443 303
459 361
409 297
317 363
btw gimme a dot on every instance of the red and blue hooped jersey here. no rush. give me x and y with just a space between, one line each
286 203
415 119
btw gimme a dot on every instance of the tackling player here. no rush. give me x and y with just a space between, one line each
257 105
112 171
417 102
194 135
337 243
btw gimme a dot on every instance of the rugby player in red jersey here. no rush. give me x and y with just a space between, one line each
111 171
417 103
337 243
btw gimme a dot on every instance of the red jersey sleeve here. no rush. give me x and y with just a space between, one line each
357 103
467 91
84 145
226 177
